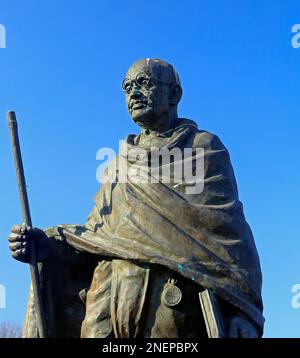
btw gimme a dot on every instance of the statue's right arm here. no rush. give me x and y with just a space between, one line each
58 243
50 245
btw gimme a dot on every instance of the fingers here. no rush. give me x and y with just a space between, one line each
17 245
19 229
20 233
16 237
20 255
20 242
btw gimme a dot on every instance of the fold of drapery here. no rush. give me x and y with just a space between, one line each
203 236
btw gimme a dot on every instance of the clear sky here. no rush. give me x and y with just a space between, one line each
61 72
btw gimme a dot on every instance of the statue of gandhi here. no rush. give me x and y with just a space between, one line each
147 250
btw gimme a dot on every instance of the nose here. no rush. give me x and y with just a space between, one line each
135 91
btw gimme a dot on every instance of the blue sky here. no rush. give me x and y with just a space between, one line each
61 72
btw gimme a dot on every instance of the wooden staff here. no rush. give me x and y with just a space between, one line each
35 278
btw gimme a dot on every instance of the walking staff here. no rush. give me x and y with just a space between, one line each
35 279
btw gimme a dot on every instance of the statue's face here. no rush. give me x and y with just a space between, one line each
147 98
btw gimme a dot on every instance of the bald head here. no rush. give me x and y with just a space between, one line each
157 69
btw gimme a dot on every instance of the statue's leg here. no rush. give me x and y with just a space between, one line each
97 321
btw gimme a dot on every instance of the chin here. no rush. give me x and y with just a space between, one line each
143 118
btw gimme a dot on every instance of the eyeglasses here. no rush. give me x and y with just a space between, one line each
141 80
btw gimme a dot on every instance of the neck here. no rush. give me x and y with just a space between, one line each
164 123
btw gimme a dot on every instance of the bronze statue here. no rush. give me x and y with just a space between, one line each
147 250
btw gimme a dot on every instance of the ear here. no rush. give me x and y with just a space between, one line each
175 94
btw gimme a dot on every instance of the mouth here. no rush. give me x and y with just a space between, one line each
138 105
